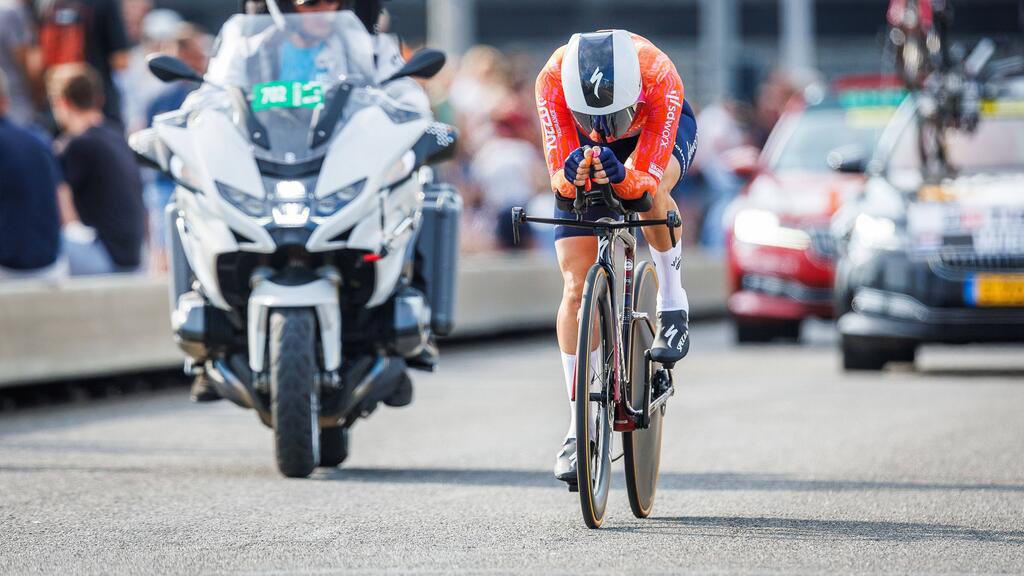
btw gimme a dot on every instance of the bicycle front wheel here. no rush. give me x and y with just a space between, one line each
594 406
642 448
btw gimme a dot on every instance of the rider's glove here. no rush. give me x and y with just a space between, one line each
573 161
614 170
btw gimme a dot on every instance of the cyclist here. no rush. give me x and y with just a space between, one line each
612 111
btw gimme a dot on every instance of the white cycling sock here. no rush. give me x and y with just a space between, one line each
668 265
569 371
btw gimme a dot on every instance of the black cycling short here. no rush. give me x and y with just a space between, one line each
686 146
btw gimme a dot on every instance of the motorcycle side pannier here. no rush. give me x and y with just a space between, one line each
438 250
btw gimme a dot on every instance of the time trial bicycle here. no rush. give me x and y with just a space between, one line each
627 391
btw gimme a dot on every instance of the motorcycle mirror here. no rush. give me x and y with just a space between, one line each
170 69
847 160
425 63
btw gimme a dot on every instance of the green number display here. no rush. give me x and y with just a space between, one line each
270 95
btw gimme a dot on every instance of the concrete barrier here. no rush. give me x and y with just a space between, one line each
120 324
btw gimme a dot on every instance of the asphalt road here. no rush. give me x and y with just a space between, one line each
774 461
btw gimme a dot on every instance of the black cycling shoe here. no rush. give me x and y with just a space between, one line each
673 340
203 389
565 462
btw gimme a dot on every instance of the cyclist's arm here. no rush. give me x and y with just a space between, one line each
664 98
557 126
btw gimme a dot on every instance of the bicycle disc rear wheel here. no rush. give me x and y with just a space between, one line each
642 448
593 441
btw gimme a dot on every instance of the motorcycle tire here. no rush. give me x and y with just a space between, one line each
294 402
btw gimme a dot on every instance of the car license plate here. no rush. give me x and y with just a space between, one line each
995 290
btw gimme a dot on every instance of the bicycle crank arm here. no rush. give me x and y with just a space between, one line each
663 399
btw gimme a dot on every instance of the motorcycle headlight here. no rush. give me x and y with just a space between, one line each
330 204
762 228
290 214
290 204
247 203
876 232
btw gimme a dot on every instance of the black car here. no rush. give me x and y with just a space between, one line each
945 263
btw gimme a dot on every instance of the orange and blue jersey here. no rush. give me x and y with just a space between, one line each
655 128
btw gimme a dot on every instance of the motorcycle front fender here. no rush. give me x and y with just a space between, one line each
320 294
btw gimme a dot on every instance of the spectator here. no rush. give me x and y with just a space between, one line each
149 31
86 31
29 225
104 216
189 44
720 133
772 98
508 169
15 47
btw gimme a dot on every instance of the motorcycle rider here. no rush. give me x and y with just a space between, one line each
612 111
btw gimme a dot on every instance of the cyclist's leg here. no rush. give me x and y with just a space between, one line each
576 254
672 342
576 249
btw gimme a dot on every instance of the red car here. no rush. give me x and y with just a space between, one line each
780 249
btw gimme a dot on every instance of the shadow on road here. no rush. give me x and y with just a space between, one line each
1017 374
810 529
669 481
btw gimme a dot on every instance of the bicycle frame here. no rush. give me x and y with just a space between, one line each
609 232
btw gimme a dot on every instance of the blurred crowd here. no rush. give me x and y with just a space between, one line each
74 83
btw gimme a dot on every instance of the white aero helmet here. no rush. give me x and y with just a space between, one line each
601 81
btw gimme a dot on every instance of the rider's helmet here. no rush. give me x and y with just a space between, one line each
368 11
601 81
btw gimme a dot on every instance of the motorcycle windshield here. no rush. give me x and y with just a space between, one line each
288 68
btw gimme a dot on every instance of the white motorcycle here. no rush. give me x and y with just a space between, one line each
312 258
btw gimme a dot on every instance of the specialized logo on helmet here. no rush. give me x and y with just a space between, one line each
595 79
597 53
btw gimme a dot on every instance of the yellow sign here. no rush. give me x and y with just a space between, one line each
1002 108
996 290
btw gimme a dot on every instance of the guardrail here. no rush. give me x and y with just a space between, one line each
107 325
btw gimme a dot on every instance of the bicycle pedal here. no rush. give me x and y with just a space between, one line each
573 487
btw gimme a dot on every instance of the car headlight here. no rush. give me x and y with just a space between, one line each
762 228
247 203
875 232
330 204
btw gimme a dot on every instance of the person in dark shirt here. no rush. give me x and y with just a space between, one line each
105 220
90 32
29 224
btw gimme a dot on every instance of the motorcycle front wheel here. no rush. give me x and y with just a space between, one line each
294 403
